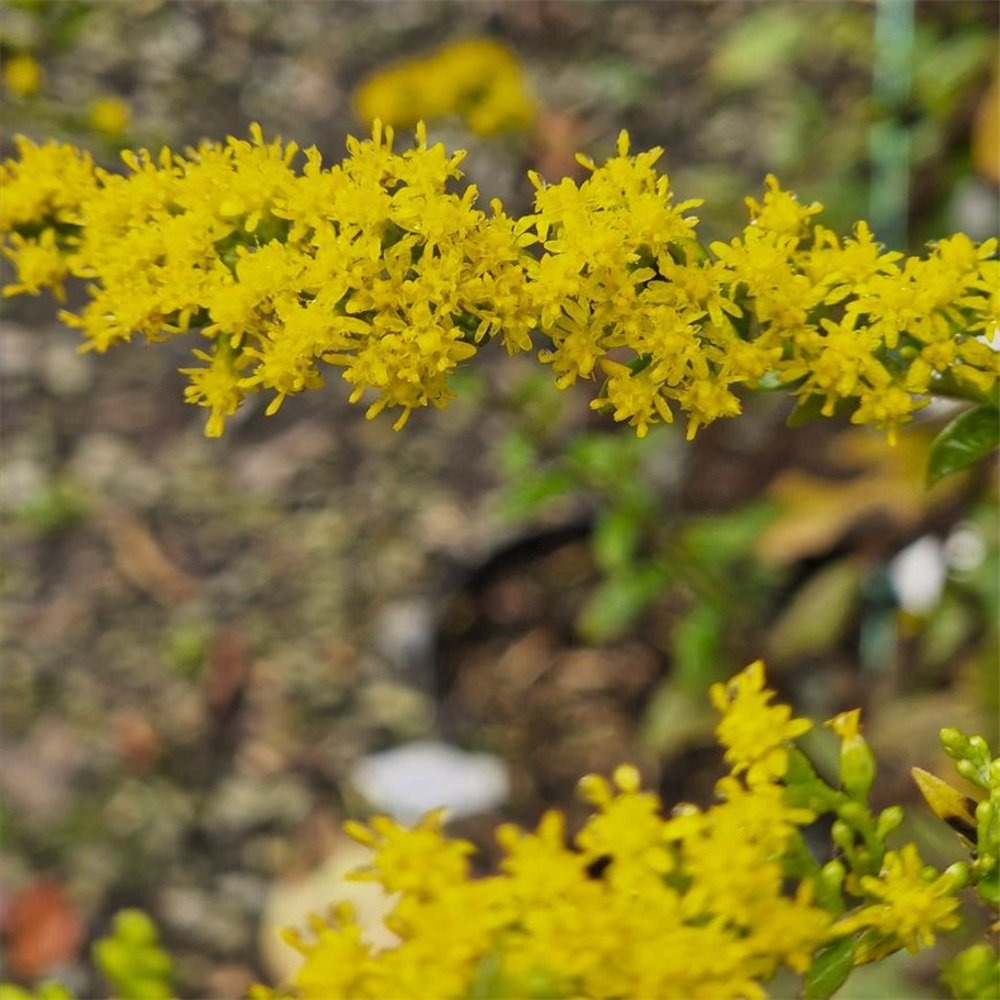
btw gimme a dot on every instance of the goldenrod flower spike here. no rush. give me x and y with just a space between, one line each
375 266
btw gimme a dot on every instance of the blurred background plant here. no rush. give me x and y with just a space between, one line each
204 641
36 33
479 81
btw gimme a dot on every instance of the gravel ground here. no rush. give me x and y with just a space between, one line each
201 638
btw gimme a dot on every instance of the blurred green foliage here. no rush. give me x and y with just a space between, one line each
133 961
56 509
50 989
642 549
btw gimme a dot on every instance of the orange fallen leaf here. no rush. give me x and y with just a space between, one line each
42 928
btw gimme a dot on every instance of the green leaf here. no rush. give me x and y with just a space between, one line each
810 408
686 252
829 970
517 453
819 613
805 789
968 438
618 601
605 458
527 496
675 719
490 983
615 539
721 539
763 44
696 646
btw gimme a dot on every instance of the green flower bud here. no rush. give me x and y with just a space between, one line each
828 886
889 819
842 834
988 823
973 973
967 769
955 742
956 876
857 762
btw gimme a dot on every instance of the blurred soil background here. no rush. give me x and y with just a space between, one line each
202 639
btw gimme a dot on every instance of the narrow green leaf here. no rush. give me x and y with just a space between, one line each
533 493
806 410
805 789
615 538
810 408
517 453
968 438
696 646
829 970
617 601
720 539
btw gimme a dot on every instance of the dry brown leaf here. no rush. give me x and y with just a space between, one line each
139 558
139 743
227 674
986 131
558 137
889 485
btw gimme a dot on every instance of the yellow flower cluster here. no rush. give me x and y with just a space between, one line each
623 286
375 266
642 905
755 733
43 190
912 901
608 282
478 79
371 265
692 904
